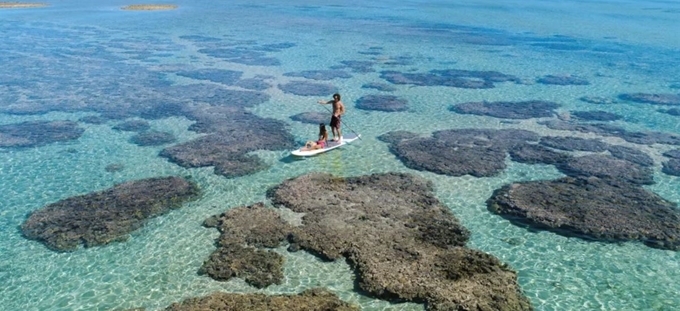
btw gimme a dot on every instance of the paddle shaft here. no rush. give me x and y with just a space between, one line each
352 130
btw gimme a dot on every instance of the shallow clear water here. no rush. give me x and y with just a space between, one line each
66 51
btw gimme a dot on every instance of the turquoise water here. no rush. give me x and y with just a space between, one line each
68 52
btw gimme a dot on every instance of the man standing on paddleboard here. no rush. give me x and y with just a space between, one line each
338 111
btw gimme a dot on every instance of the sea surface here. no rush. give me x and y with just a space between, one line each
62 57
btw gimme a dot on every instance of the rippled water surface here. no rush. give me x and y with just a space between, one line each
68 60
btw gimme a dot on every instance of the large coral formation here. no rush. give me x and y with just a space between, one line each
106 216
476 152
508 110
316 299
592 208
402 242
38 133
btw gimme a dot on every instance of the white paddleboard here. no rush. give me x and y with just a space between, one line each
330 145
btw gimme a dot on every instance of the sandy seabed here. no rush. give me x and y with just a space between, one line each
149 7
18 5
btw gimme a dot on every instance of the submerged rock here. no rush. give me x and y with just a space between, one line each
103 217
672 167
132 126
508 110
597 100
316 299
591 208
403 244
571 143
673 154
562 80
388 103
231 133
38 133
244 232
604 129
596 115
153 138
535 154
303 88
227 77
655 99
319 74
114 167
312 117
379 86
476 152
451 77
93 119
630 154
608 168
672 111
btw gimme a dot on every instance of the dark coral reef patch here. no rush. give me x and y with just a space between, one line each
103 217
476 152
231 133
673 111
598 100
38 133
316 299
608 168
591 208
358 66
132 126
257 84
319 74
596 115
242 55
386 103
508 110
245 232
400 239
537 154
562 80
673 154
604 129
654 99
153 138
403 244
303 88
379 86
227 77
451 77
570 143
313 117
630 154
93 120
671 167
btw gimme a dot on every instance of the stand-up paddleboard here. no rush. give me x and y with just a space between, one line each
330 145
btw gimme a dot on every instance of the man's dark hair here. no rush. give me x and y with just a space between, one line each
336 95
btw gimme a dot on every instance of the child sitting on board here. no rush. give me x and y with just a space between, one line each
319 144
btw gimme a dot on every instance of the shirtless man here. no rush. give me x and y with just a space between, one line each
338 111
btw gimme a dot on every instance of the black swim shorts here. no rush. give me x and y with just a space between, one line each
335 121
